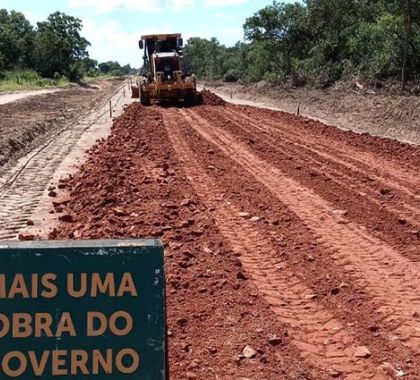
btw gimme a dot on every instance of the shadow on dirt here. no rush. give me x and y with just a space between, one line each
204 98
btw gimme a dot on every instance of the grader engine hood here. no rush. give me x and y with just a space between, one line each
167 63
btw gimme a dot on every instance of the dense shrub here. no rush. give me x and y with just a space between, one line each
318 42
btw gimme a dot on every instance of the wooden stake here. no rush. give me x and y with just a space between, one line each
110 109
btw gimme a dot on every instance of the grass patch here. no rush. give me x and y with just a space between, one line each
28 80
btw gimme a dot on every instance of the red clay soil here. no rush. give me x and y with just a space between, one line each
134 186
208 98
297 239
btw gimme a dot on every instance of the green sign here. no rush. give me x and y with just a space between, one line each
82 310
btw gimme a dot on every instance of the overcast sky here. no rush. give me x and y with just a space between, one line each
114 26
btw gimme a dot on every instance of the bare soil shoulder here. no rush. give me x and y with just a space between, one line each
29 122
390 116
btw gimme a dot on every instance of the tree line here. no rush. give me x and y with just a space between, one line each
318 42
54 48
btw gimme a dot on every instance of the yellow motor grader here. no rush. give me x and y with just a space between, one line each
163 76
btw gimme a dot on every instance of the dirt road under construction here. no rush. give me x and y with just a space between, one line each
292 248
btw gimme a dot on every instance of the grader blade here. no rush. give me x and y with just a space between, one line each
135 92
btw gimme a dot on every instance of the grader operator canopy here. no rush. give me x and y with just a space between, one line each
161 43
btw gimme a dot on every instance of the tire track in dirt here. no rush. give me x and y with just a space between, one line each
357 160
390 167
390 278
323 341
407 192
307 259
397 175
362 202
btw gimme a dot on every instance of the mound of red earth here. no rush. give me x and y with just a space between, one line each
208 98
133 185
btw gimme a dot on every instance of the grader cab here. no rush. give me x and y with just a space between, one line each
164 76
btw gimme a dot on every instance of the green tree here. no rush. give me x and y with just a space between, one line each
59 47
375 48
283 28
410 14
388 44
126 69
114 68
205 57
105 67
88 67
16 40
326 39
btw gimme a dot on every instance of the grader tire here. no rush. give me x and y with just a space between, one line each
191 100
144 99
